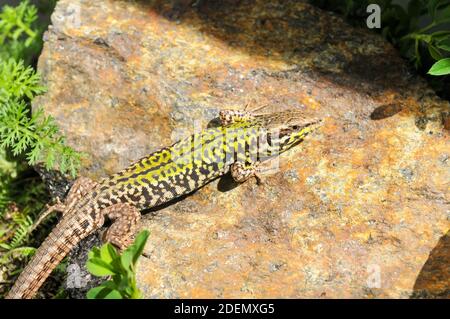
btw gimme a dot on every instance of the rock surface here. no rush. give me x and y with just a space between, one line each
354 211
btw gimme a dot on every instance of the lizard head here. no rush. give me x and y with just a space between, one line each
287 129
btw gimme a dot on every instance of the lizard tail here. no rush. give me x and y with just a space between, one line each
56 246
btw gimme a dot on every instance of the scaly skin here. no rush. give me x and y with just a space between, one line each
240 143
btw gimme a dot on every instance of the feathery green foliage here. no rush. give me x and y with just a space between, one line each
24 223
26 138
19 251
17 81
20 131
19 36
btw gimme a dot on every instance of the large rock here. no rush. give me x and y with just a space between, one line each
353 212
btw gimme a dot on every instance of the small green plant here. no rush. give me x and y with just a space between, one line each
106 261
433 36
401 25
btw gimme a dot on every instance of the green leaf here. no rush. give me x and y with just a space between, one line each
136 294
440 35
101 292
5 246
113 294
139 244
127 259
432 4
443 15
94 253
108 253
98 267
441 67
444 44
434 52
109 284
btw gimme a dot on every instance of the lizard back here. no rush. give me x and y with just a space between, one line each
181 168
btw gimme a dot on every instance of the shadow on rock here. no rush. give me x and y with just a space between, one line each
320 47
434 278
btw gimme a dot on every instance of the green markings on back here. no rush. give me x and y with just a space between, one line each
209 154
214 146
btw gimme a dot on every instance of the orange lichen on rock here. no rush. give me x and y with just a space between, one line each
358 210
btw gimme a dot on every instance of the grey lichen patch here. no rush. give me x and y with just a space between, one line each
276 266
407 173
311 180
291 175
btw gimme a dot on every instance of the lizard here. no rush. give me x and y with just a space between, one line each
238 145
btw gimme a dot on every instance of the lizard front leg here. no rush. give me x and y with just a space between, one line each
79 189
125 219
242 172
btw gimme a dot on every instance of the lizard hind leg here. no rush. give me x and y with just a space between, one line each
80 188
125 223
